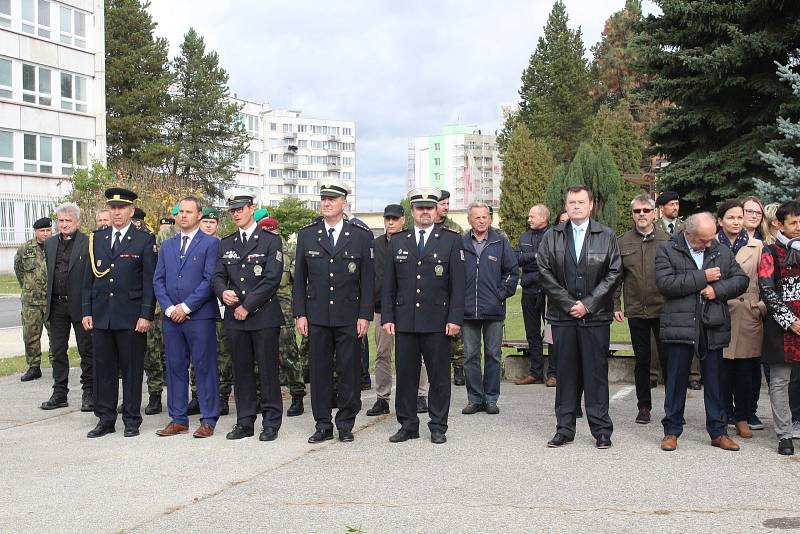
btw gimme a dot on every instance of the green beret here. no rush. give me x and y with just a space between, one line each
260 214
175 208
210 213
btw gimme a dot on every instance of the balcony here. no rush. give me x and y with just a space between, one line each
290 165
290 181
334 167
290 135
333 152
333 138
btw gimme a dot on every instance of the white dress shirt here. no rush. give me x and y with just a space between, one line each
336 230
248 231
123 232
427 231
183 305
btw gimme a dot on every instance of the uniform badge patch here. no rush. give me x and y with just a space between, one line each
462 255
439 270
351 267
99 263
257 269
278 256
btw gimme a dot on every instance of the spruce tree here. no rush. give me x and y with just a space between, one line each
554 98
597 171
617 129
786 183
556 189
205 136
137 79
527 168
713 61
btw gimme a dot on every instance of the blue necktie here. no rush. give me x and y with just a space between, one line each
421 241
330 237
183 246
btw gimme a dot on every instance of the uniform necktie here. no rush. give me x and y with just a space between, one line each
421 241
671 228
244 238
183 246
330 237
117 241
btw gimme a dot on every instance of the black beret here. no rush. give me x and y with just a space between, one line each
667 196
166 220
139 214
44 222
394 210
120 196
445 194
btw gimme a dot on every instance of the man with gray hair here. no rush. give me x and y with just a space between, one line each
67 255
697 277
533 297
642 300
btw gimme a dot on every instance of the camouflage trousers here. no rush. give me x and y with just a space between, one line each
32 326
291 366
224 365
154 364
457 350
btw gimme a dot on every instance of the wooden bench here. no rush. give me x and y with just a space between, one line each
521 345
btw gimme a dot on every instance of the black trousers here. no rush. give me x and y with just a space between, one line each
60 323
323 343
410 350
641 330
533 308
248 348
118 351
582 349
737 386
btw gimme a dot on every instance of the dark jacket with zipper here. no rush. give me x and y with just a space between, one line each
680 281
601 263
526 257
490 278
638 252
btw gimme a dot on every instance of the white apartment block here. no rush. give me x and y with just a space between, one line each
52 107
291 155
461 160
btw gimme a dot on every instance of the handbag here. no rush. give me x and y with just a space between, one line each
715 313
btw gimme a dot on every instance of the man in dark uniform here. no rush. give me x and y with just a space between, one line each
333 304
246 280
118 304
422 305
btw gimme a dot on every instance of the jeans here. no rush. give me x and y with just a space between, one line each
482 387
679 362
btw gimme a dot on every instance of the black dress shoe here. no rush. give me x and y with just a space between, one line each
268 434
296 408
786 447
131 431
381 407
694 384
422 405
87 401
100 430
54 402
193 408
403 435
224 408
154 405
345 436
458 376
31 374
559 440
321 435
603 442
438 438
240 431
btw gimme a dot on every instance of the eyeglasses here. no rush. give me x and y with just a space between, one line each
642 210
753 212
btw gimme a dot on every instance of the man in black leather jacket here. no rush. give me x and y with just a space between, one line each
579 269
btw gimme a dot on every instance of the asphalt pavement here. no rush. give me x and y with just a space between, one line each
9 311
493 475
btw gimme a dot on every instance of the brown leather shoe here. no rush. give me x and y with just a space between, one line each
743 429
204 431
173 429
725 443
551 382
669 443
528 380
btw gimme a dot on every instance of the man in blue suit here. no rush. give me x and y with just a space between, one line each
182 284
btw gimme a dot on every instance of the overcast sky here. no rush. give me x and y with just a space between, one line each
399 69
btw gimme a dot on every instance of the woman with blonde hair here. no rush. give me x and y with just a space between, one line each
754 220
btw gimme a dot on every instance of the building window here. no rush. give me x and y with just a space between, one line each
6 150
287 128
36 85
74 155
73 92
6 79
347 176
5 13
437 146
347 131
347 162
38 153
72 26
273 127
437 161
301 128
36 17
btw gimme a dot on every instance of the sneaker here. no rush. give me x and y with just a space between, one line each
755 423
643 417
795 429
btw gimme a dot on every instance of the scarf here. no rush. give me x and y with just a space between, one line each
792 249
741 240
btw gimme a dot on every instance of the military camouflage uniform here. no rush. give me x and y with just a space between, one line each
30 267
224 365
457 341
291 367
154 363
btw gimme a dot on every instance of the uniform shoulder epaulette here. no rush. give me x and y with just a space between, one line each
309 225
360 225
230 235
101 229
448 229
273 232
